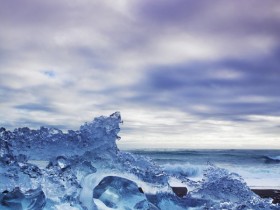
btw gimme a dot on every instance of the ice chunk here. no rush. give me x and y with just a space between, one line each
62 178
221 189
142 167
60 182
99 135
6 155
16 199
15 174
120 193
31 170
226 186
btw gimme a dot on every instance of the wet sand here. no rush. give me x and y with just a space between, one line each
268 193
263 193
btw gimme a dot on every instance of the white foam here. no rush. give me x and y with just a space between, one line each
186 169
275 157
258 177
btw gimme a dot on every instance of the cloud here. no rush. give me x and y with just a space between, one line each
220 92
182 69
35 107
229 29
238 17
49 73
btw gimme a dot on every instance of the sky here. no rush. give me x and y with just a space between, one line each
184 74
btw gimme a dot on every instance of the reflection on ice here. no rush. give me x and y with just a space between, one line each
31 199
120 193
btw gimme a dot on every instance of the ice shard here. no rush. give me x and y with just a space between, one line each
120 193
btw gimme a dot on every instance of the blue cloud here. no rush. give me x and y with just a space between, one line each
208 17
187 85
27 122
49 73
36 107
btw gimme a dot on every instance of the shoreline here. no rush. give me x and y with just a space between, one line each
268 193
263 193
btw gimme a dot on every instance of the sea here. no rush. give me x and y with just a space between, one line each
259 168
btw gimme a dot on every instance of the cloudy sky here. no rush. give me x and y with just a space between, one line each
183 74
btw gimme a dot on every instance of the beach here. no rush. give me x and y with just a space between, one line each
263 193
259 168
268 193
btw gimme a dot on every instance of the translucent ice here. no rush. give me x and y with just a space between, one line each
46 143
221 189
77 159
120 193
17 200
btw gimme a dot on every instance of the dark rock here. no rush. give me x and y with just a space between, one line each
180 191
268 193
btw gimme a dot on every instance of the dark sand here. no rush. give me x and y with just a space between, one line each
263 193
268 193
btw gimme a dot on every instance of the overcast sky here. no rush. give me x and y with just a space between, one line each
183 74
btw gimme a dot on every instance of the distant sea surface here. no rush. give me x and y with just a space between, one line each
259 168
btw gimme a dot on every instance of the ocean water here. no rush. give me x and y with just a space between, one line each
259 168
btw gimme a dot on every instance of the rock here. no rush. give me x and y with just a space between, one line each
180 191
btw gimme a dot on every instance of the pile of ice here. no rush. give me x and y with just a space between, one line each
84 170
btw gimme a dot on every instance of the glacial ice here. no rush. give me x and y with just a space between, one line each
120 193
87 164
31 199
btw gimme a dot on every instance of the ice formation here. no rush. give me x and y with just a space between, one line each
117 192
85 171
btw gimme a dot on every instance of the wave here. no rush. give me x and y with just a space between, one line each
201 157
272 159
187 170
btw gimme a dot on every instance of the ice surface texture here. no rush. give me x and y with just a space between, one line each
116 192
47 143
86 170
